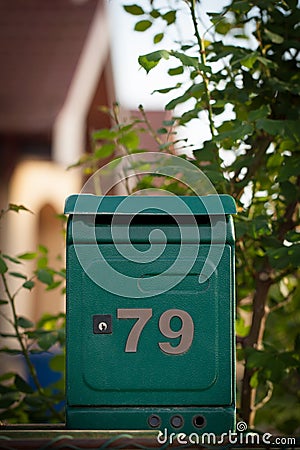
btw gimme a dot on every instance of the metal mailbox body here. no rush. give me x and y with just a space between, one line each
139 355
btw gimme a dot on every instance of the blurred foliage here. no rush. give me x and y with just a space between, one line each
23 398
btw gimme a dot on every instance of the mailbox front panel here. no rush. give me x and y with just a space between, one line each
169 349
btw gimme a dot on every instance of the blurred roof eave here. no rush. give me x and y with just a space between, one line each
41 43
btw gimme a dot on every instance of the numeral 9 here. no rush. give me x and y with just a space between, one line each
186 332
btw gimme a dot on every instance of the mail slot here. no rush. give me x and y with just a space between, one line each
150 313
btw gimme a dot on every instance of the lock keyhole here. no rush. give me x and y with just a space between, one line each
102 324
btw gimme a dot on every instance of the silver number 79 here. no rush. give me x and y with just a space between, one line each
186 331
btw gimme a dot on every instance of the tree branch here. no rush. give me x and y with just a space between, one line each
202 52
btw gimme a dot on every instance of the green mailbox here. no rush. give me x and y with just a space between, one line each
150 313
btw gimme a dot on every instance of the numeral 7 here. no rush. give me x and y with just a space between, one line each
143 315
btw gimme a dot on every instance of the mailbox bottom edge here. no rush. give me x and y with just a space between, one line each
215 419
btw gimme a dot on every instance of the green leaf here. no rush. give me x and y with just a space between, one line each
207 153
170 17
241 36
4 302
190 61
47 340
241 6
166 90
241 329
130 140
276 370
42 262
10 258
135 10
28 284
42 249
105 151
24 323
162 131
290 168
271 126
166 145
155 13
104 134
241 229
12 351
267 62
158 38
61 273
275 38
143 25
169 123
7 376
254 380
61 336
259 113
256 358
22 385
236 133
194 91
246 307
35 402
6 388
45 276
149 61
18 275
175 70
222 27
35 333
7 400
3 266
17 208
53 285
288 359
279 258
249 60
48 321
57 363
214 175
176 101
189 115
275 161
28 256
293 236
146 64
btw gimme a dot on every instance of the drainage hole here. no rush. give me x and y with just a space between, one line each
154 421
177 421
199 421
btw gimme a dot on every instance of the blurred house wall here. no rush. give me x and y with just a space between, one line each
55 67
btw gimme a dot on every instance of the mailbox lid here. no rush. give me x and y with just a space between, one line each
158 205
93 218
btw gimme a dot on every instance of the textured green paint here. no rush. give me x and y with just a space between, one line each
108 388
